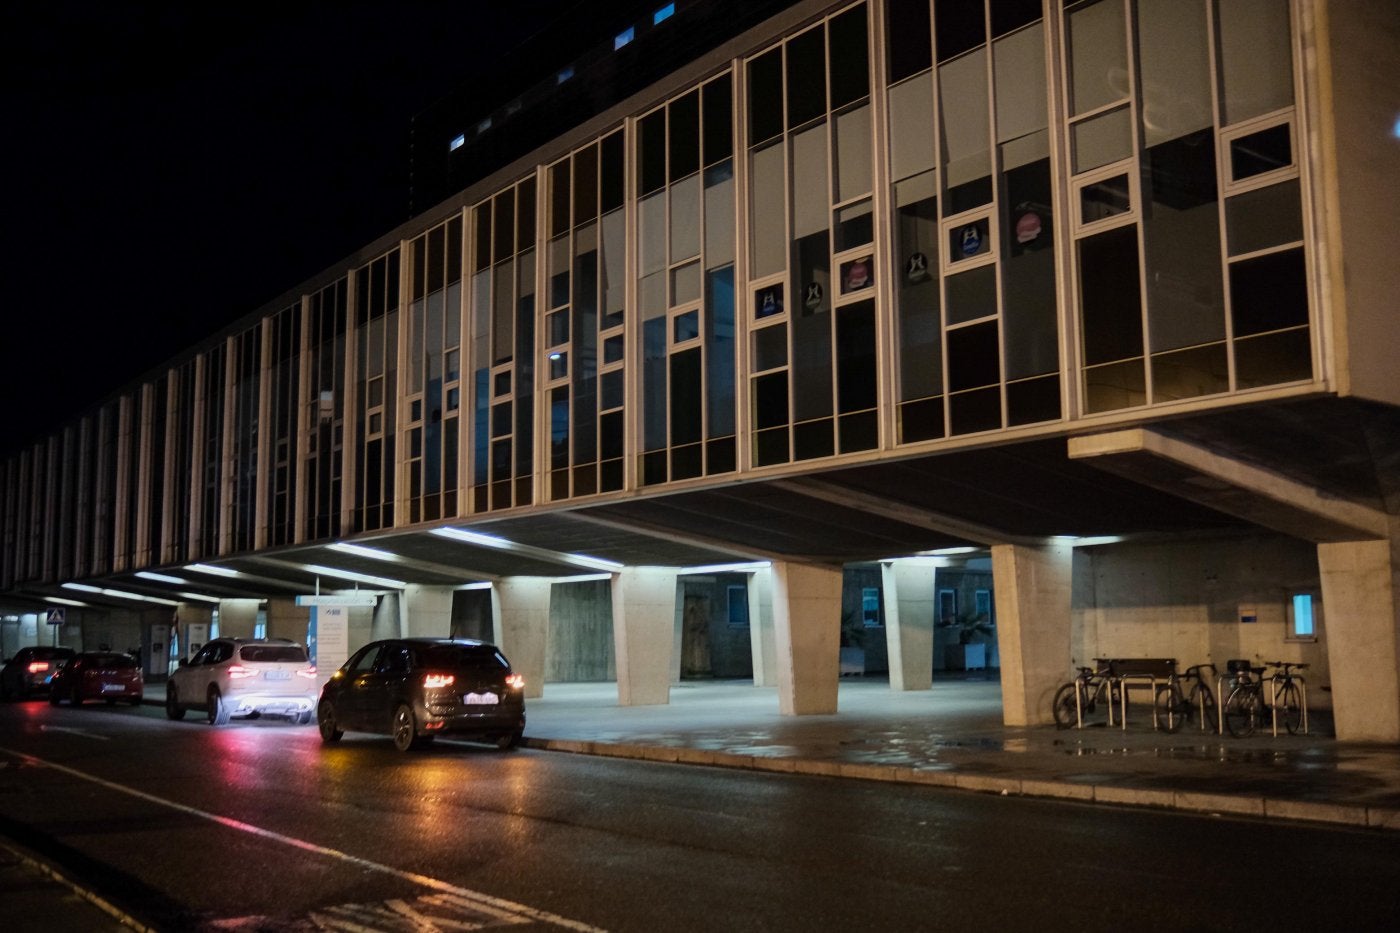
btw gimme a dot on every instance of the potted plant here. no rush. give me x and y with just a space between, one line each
972 630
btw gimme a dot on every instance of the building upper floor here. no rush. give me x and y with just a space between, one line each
856 235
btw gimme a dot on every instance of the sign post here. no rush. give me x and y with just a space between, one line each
55 617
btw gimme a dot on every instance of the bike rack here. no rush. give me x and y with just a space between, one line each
1273 700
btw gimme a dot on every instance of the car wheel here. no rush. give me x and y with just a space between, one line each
325 721
405 729
509 740
216 708
173 709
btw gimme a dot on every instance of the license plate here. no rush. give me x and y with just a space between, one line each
112 688
278 675
481 699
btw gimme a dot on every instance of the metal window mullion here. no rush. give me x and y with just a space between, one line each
540 448
1138 188
994 216
743 292
226 458
266 438
397 471
297 508
1068 318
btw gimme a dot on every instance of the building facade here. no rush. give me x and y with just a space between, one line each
1095 296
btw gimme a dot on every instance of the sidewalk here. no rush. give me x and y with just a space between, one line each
952 736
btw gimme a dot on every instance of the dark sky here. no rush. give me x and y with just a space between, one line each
174 166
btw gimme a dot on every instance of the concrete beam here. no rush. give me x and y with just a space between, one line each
1230 485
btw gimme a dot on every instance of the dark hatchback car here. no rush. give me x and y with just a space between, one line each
98 675
30 670
416 689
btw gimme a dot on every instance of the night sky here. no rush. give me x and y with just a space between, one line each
175 166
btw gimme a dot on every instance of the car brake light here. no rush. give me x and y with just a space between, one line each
38 667
515 681
307 672
437 680
237 672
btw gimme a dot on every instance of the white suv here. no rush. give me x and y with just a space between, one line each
244 677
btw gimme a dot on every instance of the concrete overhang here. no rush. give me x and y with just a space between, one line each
1217 480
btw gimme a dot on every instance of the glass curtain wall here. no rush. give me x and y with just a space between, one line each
503 349
586 272
376 375
432 380
64 533
183 474
323 427
284 355
247 356
129 501
103 529
973 226
1152 123
812 260
154 485
686 218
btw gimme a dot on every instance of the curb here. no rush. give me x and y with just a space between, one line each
96 900
1249 805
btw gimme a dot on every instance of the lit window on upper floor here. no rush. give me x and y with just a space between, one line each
564 75
663 14
623 38
1302 618
457 143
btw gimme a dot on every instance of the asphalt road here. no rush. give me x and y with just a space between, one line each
257 826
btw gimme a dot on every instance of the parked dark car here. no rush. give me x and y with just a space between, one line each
416 689
30 671
98 675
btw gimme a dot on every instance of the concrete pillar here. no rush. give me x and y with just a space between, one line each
1361 606
807 633
385 621
426 611
761 638
909 611
520 626
238 617
285 619
644 614
1033 618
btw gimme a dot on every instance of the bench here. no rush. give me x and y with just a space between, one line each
1140 672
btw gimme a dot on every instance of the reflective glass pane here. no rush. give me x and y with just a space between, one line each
1101 140
1098 55
1256 60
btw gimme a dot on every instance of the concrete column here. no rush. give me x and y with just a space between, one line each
238 617
1033 599
285 619
807 634
761 643
385 621
520 626
426 611
909 611
1361 607
644 614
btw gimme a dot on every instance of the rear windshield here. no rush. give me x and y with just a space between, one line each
265 653
49 654
118 661
461 657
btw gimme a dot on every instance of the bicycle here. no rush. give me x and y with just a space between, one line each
1247 705
1178 704
1081 696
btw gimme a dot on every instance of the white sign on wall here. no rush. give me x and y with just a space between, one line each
328 638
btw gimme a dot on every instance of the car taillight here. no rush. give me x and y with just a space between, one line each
307 672
515 681
38 667
432 681
238 672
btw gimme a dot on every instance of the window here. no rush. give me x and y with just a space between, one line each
738 600
663 14
947 605
1302 617
983 600
870 606
458 142
623 38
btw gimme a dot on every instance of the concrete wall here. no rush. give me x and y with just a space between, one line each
1189 600
471 614
580 646
1360 41
710 646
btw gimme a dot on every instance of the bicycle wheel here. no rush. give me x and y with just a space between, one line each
1065 708
1201 702
1290 707
1242 710
1170 708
